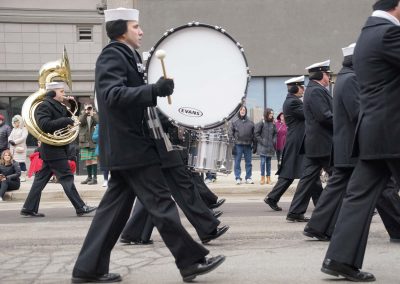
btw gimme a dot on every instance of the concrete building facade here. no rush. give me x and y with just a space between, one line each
280 39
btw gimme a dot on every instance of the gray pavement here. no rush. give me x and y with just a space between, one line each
261 247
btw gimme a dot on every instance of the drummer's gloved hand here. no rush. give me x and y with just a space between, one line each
164 87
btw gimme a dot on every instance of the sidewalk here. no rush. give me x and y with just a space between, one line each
224 185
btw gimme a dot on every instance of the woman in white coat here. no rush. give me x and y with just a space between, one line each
17 140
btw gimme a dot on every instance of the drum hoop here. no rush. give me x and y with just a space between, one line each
238 45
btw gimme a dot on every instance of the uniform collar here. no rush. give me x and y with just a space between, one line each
387 16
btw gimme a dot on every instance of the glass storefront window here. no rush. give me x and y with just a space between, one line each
276 93
255 99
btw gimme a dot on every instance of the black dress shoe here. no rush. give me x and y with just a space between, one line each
218 214
273 204
209 264
218 204
136 242
85 210
297 217
216 234
335 268
31 213
105 278
310 232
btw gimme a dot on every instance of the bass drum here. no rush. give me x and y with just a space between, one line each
210 72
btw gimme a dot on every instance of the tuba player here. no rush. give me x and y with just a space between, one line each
52 115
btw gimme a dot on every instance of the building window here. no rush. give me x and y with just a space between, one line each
85 33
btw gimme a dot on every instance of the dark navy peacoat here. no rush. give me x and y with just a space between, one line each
292 161
378 129
122 98
346 107
319 123
50 116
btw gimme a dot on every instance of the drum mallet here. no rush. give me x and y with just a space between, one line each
161 55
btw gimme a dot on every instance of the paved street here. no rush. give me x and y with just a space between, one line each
261 247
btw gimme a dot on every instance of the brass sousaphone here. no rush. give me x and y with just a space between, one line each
58 70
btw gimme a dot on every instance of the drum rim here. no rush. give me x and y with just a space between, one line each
238 45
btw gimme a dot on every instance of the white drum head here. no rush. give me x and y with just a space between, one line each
210 74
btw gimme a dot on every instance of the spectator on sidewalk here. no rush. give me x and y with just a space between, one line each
5 131
9 173
281 130
95 138
265 134
242 131
210 177
88 120
17 140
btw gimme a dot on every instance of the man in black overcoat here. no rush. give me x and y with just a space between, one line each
377 65
52 115
317 141
292 162
132 159
346 106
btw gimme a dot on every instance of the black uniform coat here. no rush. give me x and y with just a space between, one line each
319 124
346 105
50 116
292 161
378 129
121 110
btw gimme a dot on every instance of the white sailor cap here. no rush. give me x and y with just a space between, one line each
55 85
320 66
295 81
348 50
121 14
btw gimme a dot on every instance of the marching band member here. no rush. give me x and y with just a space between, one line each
52 115
132 159
292 162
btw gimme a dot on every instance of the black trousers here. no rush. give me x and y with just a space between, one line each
65 177
280 188
369 179
149 186
309 185
139 226
8 185
188 199
206 194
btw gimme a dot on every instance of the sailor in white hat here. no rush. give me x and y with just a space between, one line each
317 144
52 115
55 85
292 163
122 98
296 85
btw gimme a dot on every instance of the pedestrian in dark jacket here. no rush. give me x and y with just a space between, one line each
88 121
265 134
9 173
281 132
292 162
5 131
377 66
242 131
317 142
131 156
